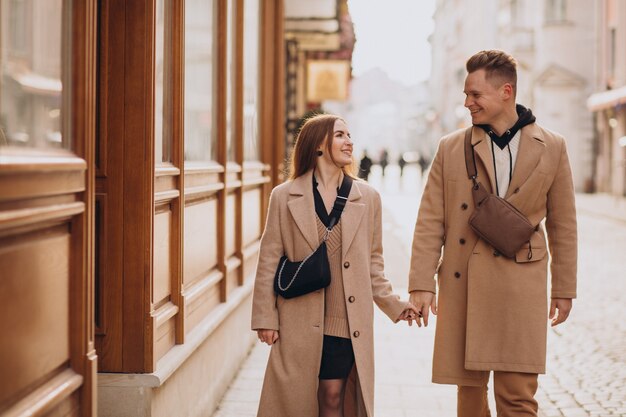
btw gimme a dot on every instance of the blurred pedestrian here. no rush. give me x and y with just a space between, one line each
494 308
317 341
365 166
423 163
383 160
401 163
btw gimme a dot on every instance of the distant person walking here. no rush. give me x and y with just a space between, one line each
384 160
423 163
365 166
401 163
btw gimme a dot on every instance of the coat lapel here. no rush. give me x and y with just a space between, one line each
531 148
481 148
302 208
351 218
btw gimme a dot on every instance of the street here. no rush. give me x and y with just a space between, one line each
586 368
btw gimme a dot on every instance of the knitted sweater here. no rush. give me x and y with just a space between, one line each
335 311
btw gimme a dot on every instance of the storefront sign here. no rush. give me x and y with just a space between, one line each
327 80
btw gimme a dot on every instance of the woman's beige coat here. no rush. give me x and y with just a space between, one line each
493 310
291 377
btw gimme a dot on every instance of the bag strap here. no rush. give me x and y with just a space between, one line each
479 193
340 202
470 158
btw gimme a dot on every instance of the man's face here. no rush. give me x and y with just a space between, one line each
484 100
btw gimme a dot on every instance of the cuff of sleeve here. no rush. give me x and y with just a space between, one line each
397 309
414 285
265 324
563 294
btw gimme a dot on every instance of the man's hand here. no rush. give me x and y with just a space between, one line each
423 300
409 314
267 336
564 306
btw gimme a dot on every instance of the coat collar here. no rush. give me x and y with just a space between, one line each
530 150
302 208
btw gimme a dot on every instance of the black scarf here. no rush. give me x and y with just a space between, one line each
525 117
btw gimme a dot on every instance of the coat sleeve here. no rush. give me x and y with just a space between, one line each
264 310
428 237
382 291
561 229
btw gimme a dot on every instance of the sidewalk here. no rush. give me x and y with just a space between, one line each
602 205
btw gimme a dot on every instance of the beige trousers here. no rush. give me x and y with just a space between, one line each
514 393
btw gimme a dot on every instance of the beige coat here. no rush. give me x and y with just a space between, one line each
493 310
291 377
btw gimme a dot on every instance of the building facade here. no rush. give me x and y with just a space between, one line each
319 40
139 141
547 37
608 103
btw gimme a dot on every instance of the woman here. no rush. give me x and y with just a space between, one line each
322 342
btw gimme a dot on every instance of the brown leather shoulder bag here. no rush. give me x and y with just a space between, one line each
494 219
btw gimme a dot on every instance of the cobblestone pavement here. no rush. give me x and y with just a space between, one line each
586 355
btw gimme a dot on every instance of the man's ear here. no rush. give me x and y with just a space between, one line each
506 91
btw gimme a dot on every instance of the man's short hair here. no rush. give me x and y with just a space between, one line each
499 67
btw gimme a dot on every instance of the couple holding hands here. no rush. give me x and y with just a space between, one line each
492 307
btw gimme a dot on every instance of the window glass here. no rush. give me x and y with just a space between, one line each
34 63
555 11
200 141
162 84
251 80
230 78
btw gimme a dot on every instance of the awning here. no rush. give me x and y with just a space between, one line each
606 99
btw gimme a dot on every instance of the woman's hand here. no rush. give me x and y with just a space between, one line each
267 336
424 300
409 314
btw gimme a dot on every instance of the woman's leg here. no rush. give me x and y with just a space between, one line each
330 396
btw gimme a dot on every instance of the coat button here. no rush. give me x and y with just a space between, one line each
351 299
346 264
356 334
457 275
462 241
464 206
496 253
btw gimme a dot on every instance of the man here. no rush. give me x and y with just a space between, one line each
493 311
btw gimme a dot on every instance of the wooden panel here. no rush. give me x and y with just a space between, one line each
162 282
165 338
233 266
57 396
231 232
252 217
200 239
201 299
250 258
21 177
34 293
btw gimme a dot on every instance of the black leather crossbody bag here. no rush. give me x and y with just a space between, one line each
293 279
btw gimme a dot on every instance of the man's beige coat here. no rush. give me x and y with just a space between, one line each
291 377
493 310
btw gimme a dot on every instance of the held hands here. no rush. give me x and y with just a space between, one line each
423 300
409 314
267 336
564 306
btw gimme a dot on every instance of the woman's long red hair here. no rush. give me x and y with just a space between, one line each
313 133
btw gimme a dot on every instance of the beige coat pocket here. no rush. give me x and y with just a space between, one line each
535 251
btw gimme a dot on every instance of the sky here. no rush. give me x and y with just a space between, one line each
393 35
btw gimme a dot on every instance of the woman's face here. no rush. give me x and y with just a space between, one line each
341 147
